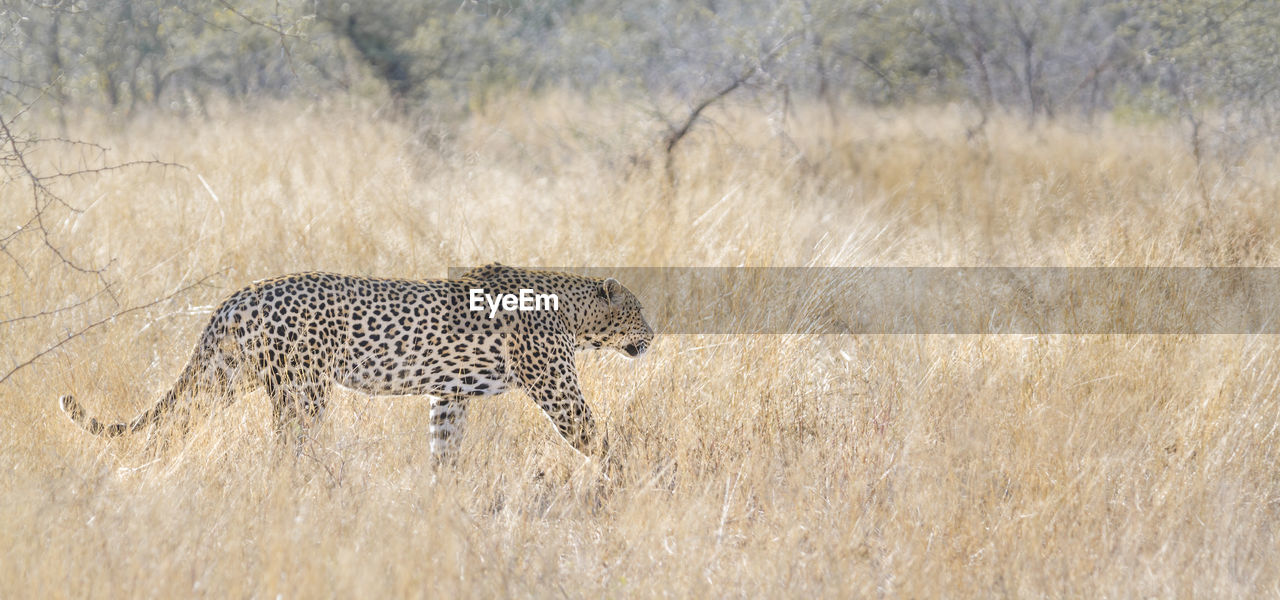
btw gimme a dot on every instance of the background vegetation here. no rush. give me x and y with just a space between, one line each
1039 58
158 155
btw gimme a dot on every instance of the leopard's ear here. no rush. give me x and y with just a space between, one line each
611 290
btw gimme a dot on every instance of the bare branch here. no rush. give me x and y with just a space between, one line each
256 22
288 55
109 168
675 133
103 321
51 312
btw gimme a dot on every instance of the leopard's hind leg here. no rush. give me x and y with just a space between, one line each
448 416
297 406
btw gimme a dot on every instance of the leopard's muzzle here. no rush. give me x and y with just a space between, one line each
636 349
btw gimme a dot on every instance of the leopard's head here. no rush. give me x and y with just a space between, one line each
614 320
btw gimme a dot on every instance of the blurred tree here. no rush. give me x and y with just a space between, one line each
1214 63
1040 59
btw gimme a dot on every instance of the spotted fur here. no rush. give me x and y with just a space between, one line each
299 335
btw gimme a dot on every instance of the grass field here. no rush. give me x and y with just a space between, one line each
760 466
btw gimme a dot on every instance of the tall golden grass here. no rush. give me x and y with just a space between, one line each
837 466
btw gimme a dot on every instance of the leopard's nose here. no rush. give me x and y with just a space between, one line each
631 350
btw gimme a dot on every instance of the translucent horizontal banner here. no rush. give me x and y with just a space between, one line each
951 300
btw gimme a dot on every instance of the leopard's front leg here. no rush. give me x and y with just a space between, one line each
550 377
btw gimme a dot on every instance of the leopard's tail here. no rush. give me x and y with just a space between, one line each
213 368
96 427
183 388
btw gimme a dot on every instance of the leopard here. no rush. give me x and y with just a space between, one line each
300 335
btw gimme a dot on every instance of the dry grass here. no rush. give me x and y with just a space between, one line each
756 466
